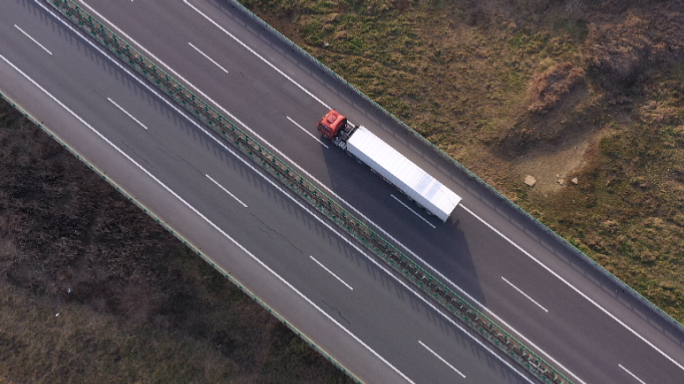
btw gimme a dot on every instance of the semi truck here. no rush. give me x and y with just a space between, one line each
360 143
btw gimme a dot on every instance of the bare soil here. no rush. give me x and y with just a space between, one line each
93 290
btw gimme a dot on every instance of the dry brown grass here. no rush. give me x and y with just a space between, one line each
547 88
622 41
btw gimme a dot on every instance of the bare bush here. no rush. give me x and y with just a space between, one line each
547 89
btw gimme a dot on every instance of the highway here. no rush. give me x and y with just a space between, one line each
371 322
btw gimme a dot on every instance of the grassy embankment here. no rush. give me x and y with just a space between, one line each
557 90
92 290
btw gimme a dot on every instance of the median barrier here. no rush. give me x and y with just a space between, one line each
280 170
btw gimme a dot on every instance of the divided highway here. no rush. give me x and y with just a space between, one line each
367 319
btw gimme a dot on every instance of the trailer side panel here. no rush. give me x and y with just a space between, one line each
403 173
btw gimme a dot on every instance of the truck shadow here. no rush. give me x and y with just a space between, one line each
440 248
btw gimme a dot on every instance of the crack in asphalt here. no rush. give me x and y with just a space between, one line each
190 164
269 231
334 309
136 154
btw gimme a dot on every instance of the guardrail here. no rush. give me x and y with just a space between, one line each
315 197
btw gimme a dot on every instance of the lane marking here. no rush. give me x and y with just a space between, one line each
332 193
32 39
207 57
198 213
307 132
226 191
273 183
422 261
414 212
127 114
363 216
524 294
441 359
631 374
255 54
267 143
576 290
330 272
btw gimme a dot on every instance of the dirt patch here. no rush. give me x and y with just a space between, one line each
555 168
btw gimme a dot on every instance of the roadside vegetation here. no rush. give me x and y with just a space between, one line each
585 96
92 290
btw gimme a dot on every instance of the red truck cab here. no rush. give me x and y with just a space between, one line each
331 124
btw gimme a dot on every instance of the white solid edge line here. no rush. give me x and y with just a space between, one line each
330 272
32 39
307 132
126 112
198 213
358 212
203 217
442 359
631 374
575 289
311 177
207 57
524 294
226 191
414 212
255 54
330 191
372 260
275 149
415 255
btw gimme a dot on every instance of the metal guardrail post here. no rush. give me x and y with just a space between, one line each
315 197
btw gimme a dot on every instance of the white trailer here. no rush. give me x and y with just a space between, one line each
409 178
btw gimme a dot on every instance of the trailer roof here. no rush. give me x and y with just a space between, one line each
402 172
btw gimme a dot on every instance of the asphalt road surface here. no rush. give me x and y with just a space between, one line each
368 320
